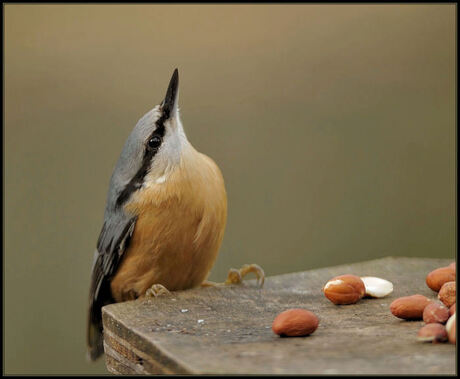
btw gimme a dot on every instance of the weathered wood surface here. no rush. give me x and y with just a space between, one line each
165 334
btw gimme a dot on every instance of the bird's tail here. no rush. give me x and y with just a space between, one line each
94 336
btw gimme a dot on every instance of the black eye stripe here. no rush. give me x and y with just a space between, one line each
151 147
149 153
156 138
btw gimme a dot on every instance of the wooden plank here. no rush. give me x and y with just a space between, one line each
228 330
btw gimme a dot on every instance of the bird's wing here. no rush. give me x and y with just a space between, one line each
112 243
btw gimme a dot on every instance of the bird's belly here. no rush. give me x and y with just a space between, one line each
176 249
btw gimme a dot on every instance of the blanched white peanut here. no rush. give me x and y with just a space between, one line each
377 287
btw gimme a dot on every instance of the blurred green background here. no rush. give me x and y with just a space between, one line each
334 127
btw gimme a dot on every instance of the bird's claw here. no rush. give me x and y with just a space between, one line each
236 276
157 290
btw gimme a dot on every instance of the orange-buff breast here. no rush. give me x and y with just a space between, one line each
179 229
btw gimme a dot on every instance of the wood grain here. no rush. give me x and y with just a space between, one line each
228 330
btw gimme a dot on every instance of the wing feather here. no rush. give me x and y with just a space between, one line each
112 243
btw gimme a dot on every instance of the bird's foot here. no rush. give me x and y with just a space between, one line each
157 290
236 276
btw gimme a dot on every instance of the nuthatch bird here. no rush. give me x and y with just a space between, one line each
164 219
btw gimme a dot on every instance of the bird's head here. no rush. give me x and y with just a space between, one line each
154 147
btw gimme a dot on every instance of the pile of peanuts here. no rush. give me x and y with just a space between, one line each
439 316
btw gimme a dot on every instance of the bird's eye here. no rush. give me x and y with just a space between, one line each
154 142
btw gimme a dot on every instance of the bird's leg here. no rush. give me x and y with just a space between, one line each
208 283
236 276
157 290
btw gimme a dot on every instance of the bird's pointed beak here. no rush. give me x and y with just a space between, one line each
169 104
